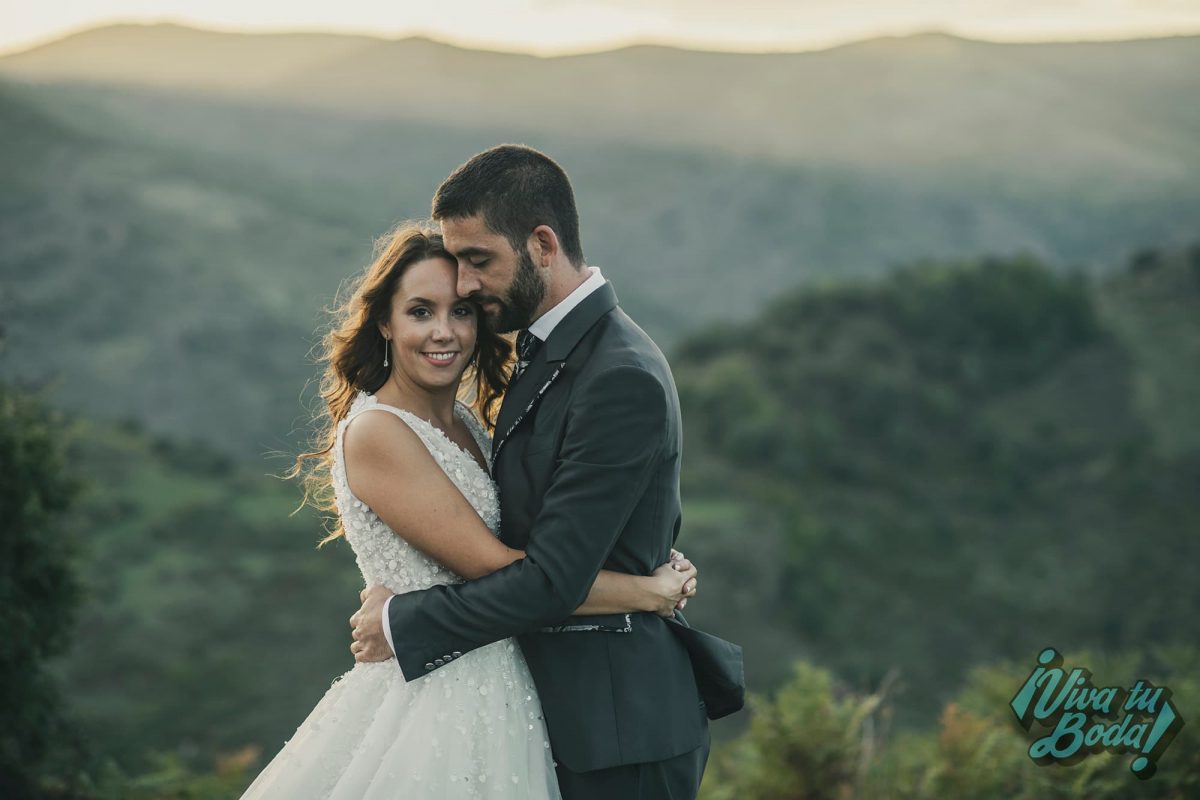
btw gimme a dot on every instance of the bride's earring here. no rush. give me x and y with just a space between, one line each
386 343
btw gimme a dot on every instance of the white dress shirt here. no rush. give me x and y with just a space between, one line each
542 327
546 323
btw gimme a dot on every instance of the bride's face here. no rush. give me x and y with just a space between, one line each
432 329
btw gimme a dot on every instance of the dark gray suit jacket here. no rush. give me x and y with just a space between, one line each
587 456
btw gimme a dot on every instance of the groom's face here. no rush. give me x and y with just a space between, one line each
505 282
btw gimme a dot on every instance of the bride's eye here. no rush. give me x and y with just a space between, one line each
420 312
464 311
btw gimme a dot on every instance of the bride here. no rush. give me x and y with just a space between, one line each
411 487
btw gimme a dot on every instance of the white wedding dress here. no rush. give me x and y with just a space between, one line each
470 729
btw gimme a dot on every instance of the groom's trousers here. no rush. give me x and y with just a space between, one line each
675 778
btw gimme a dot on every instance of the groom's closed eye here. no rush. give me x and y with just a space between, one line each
476 257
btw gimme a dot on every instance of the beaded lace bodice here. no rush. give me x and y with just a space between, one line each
383 557
471 730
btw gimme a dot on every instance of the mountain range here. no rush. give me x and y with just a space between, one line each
915 103
179 205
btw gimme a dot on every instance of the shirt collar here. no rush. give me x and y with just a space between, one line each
546 323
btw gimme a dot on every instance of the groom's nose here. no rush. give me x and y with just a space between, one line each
468 282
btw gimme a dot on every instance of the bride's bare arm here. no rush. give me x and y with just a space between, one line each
661 592
389 469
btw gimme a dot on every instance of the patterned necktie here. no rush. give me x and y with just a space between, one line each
527 345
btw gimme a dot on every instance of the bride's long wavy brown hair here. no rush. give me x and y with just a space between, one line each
353 352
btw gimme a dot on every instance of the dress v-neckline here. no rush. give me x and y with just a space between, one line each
484 468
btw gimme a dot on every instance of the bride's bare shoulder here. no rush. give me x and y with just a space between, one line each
380 436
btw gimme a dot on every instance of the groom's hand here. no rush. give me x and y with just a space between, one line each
370 643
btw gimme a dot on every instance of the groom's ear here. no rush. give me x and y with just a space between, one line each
546 241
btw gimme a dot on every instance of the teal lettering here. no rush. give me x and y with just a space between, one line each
1112 736
1020 703
1148 702
1133 737
1070 703
1047 684
1046 711
1063 743
1134 693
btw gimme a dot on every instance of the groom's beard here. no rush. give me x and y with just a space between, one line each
524 295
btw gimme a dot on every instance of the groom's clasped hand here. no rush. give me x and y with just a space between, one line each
675 583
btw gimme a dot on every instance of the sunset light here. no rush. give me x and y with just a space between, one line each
548 27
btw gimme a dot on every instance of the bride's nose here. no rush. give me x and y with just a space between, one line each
441 331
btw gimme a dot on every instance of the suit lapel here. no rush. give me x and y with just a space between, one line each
518 396
527 410
522 398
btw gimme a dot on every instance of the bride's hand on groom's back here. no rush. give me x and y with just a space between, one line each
682 563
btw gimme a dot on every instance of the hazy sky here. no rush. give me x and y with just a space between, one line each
555 26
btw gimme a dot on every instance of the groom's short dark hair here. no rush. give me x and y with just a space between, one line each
516 189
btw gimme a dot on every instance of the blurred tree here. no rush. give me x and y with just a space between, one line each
39 591
1145 260
809 741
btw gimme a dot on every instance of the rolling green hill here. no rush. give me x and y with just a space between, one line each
955 465
210 622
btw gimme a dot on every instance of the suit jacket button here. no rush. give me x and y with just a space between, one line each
438 661
428 666
456 654
447 657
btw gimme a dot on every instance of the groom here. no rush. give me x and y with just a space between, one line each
586 455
